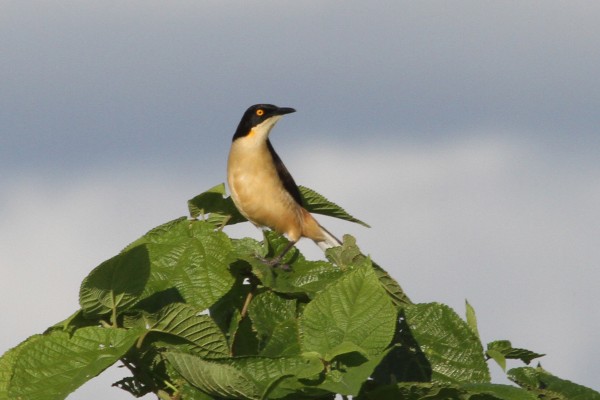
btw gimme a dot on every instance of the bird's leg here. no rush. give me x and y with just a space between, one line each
276 261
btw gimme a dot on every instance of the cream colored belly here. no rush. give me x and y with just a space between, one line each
259 195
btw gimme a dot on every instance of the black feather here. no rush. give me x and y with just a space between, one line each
284 175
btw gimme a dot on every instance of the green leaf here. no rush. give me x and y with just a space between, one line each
546 385
450 346
406 362
318 204
7 364
349 256
415 391
284 341
437 391
349 371
115 284
74 321
504 347
54 365
168 232
189 392
189 263
311 277
471 318
522 354
221 209
344 348
267 310
247 247
351 323
393 289
226 312
498 357
274 377
302 277
214 378
182 321
355 309
495 391
245 340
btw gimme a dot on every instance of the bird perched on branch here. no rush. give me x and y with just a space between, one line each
262 188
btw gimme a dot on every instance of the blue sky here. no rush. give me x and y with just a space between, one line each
465 133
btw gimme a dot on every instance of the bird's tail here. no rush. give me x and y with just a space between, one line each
329 240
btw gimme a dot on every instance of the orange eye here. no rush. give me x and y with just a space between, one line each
260 112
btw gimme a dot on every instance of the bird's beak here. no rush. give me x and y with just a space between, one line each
284 110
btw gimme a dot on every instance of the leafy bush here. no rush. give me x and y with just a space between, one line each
194 314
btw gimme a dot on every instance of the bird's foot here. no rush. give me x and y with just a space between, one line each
274 262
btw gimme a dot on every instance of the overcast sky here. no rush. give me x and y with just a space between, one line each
466 133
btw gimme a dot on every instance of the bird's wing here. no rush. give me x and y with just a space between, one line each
284 175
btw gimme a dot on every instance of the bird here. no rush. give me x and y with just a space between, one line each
261 186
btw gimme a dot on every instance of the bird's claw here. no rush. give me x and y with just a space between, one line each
274 262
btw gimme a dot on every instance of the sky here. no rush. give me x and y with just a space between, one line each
465 133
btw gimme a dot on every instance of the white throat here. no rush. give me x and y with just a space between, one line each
261 131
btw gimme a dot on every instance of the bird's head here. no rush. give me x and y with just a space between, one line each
259 119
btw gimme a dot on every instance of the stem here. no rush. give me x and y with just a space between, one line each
162 395
249 296
224 223
114 318
247 302
105 324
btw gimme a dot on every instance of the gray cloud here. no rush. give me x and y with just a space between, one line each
138 80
